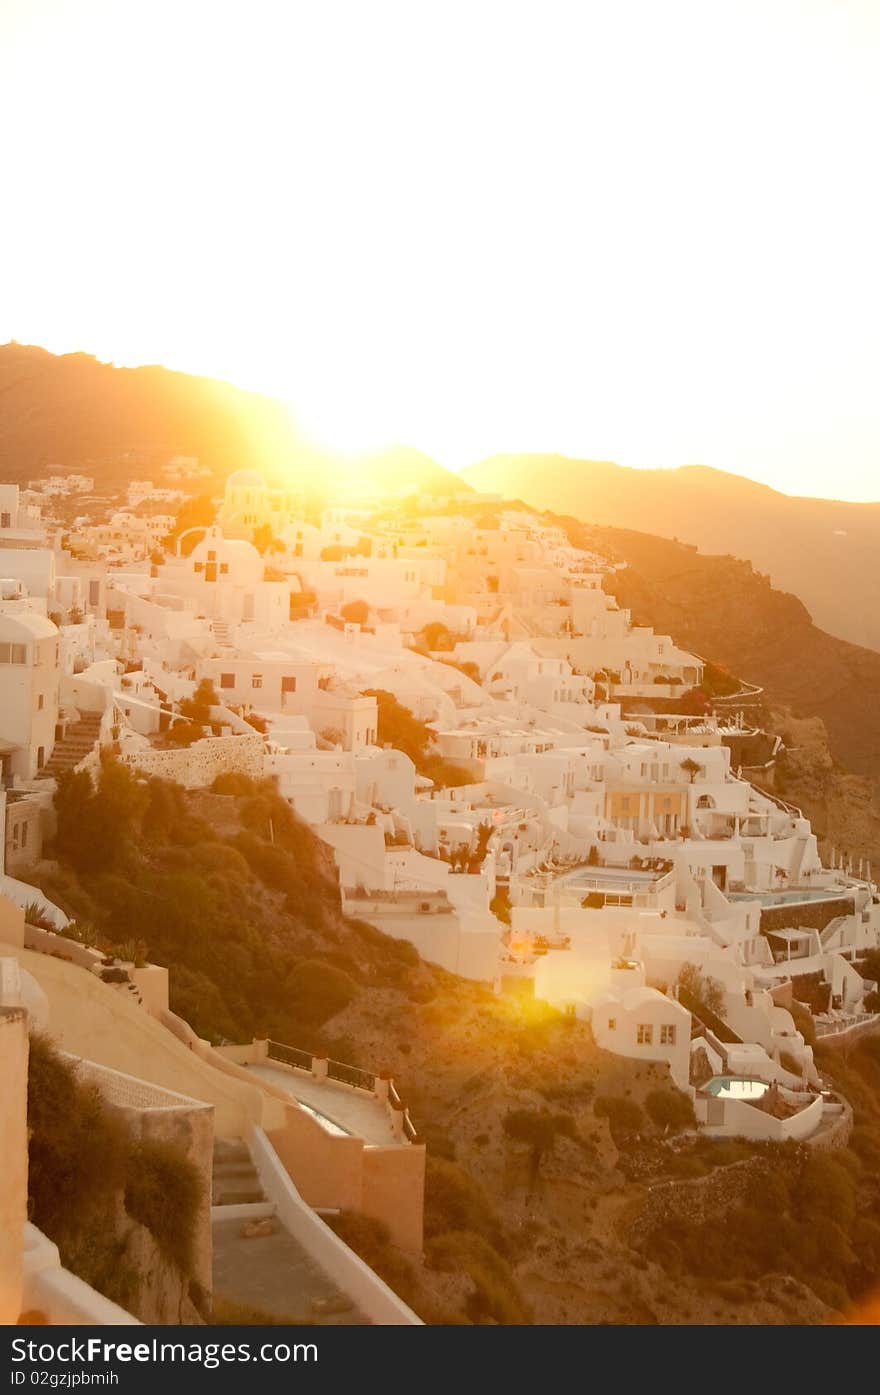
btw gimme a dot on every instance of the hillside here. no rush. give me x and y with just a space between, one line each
119 423
555 1170
825 552
723 609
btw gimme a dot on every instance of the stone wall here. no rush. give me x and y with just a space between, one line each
197 766
158 1115
703 1199
812 915
13 1175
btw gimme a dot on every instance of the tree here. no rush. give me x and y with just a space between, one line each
539 1129
398 726
198 707
692 768
702 993
670 1109
436 635
197 512
355 612
96 825
265 540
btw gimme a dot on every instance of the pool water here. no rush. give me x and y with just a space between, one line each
789 898
733 1087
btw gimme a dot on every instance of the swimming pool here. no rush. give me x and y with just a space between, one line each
736 1087
790 898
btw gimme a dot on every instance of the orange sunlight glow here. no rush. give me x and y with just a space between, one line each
629 231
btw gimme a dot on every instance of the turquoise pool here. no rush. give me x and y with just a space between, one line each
736 1087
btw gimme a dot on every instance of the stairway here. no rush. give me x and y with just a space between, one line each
234 1180
221 634
257 1263
77 742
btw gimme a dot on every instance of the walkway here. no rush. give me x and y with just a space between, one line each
274 1274
352 1111
269 1271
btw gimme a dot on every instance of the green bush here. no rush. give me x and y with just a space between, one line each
827 1189
371 1239
163 1191
803 1021
319 990
496 1296
220 857
624 1116
671 1109
455 1201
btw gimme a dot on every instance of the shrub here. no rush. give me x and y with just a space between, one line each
231 782
163 1191
495 1296
803 1021
371 1239
455 1201
827 1189
83 932
36 913
624 1116
319 990
220 857
76 1148
671 1109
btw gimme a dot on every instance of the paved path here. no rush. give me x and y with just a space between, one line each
352 1111
274 1273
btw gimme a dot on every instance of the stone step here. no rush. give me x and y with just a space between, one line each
232 1194
231 1150
232 1170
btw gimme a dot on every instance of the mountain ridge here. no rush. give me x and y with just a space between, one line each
823 550
116 422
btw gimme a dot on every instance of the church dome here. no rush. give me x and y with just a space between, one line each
245 479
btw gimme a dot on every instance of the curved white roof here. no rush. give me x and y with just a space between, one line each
27 623
245 479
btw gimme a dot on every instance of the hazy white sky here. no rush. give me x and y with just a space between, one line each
638 231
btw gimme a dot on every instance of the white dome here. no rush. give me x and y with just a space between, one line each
245 479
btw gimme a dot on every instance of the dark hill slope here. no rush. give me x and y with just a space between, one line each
825 551
726 611
117 423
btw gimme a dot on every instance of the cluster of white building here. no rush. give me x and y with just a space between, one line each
585 848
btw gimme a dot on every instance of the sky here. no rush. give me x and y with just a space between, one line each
645 232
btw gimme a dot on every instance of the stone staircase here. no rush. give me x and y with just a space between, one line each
221 634
258 1264
77 742
234 1179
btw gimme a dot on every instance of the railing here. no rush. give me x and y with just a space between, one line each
343 1074
289 1055
395 1101
351 1075
844 1023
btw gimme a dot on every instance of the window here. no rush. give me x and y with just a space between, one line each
40 703
256 680
227 680
667 1035
224 568
212 556
24 835
41 757
198 566
5 520
94 592
612 1024
645 1034
13 654
288 683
